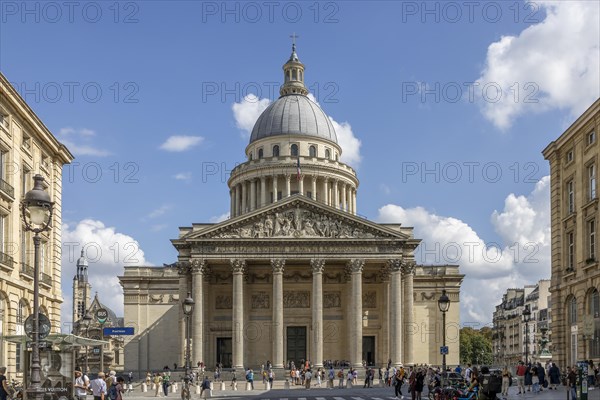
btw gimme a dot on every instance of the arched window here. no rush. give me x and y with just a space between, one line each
594 304
294 150
572 311
336 157
21 312
312 151
328 154
294 75
260 153
594 340
276 151
250 157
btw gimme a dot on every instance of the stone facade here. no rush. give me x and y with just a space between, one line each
575 281
294 274
27 148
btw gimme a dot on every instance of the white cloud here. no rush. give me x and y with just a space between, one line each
107 252
158 227
523 256
348 142
178 143
219 218
556 61
247 112
73 138
159 211
183 176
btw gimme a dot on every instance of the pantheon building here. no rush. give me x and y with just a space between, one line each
295 273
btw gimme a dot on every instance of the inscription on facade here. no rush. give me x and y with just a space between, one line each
296 299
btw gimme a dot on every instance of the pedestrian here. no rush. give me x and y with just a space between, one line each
541 372
157 384
554 376
307 378
521 368
118 388
572 382
349 379
412 382
148 379
205 385
318 378
98 387
535 379
271 376
505 381
341 378
591 374
233 379
130 377
397 382
166 382
468 373
250 378
367 378
80 385
528 377
419 383
330 376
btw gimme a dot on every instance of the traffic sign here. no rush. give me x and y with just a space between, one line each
101 315
118 331
42 344
44 324
444 350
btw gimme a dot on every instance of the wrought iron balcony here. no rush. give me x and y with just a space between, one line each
6 261
45 279
7 189
27 271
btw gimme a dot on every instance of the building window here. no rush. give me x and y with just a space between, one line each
592 240
592 181
572 311
595 304
18 359
594 341
570 251
25 179
250 157
3 233
26 142
328 154
309 194
312 151
569 156
276 151
260 153
571 197
294 150
3 164
591 138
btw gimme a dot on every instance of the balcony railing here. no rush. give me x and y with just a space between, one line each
46 279
7 189
27 270
6 261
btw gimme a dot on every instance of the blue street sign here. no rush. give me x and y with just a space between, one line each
443 349
118 331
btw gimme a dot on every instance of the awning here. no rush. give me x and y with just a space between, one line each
58 339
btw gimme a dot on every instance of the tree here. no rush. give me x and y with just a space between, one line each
476 346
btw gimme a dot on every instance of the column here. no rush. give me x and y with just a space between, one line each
301 185
288 185
384 274
395 309
244 190
231 202
314 187
237 268
263 191
355 267
354 201
182 271
275 188
234 212
198 267
335 195
317 311
252 194
325 196
349 198
344 198
278 358
408 271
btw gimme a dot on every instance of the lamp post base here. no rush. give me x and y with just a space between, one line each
35 393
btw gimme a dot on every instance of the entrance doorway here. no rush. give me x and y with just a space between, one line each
368 347
224 347
296 344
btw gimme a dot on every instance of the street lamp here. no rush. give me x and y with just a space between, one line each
526 316
188 308
86 321
36 211
444 305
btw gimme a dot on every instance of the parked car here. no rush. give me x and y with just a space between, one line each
454 378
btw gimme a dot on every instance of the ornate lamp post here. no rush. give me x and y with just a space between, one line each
86 320
526 316
444 305
188 308
36 211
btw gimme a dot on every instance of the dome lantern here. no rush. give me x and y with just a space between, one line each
293 74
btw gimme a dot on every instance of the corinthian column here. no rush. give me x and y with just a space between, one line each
198 267
288 185
277 266
317 311
355 268
252 194
263 191
384 275
395 311
408 271
275 188
183 269
237 268
314 187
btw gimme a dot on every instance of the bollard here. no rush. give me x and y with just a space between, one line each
266 384
248 386
144 388
154 386
286 385
130 387
197 389
234 384
212 386
222 385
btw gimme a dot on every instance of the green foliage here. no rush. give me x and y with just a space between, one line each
476 346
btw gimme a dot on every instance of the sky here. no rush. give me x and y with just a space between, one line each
443 108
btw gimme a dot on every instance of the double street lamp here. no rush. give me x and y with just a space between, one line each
188 308
36 211
444 305
526 316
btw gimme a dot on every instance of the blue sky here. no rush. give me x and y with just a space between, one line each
472 92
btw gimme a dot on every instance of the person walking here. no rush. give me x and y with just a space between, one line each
166 378
541 373
521 368
528 377
80 385
419 383
535 379
250 378
572 383
505 381
554 376
397 382
307 378
157 384
98 387
341 378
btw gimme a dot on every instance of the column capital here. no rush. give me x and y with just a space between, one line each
355 265
384 273
317 265
408 267
278 265
314 178
238 266
183 267
198 266
394 265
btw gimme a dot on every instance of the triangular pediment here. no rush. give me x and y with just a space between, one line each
297 217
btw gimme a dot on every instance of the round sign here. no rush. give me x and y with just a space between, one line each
45 326
101 315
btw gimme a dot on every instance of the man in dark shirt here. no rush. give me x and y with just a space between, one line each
3 384
572 382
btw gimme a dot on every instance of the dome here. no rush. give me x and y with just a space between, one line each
293 114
